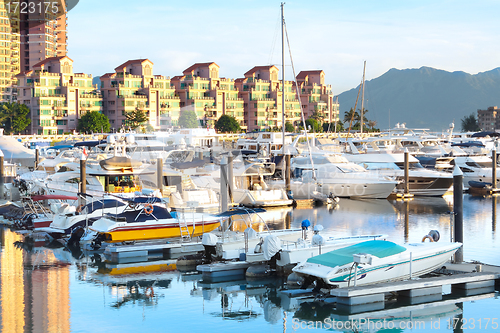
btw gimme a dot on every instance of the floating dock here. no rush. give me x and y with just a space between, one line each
134 252
466 279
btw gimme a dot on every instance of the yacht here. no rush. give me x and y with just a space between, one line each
422 181
334 175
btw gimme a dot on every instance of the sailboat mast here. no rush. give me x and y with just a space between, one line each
283 76
363 99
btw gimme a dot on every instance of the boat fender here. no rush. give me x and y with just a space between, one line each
148 209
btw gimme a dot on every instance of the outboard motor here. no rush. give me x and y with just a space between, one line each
271 249
209 242
76 235
317 239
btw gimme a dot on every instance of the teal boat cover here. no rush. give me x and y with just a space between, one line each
340 257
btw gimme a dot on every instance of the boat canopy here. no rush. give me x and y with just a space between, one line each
53 197
340 257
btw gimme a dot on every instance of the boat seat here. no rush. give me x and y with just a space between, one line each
126 189
118 189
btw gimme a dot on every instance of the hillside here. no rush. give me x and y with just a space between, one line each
425 97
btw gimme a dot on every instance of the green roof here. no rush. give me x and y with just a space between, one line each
340 257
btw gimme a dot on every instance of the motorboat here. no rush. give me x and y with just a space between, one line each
422 181
69 217
146 221
374 261
335 176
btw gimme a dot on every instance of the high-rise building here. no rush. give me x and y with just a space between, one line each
9 52
26 39
43 35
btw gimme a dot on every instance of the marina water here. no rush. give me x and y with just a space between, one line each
49 290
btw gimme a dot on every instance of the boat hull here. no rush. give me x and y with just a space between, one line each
360 190
425 258
135 232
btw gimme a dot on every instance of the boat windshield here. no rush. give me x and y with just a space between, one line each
380 166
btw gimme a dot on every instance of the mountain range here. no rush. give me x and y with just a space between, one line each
425 97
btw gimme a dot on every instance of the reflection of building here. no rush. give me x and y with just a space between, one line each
32 299
56 96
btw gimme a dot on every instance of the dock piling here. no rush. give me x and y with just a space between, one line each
223 185
2 180
37 158
287 172
83 179
230 178
159 174
407 172
494 167
458 212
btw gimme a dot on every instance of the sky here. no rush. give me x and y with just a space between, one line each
332 35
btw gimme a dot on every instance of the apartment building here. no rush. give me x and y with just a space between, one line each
56 96
489 119
316 97
202 90
134 87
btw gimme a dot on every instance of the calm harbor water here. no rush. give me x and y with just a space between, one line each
48 290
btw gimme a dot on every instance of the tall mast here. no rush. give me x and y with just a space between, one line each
363 99
283 76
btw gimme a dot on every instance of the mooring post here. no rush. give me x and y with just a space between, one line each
159 174
37 158
458 227
2 180
287 172
407 171
83 179
223 185
230 184
494 167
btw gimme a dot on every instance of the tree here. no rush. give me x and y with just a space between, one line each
135 118
469 123
188 119
356 119
314 124
14 117
93 122
227 124
289 127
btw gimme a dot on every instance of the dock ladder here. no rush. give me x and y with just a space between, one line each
183 226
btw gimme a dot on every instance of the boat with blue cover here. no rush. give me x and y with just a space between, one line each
374 261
